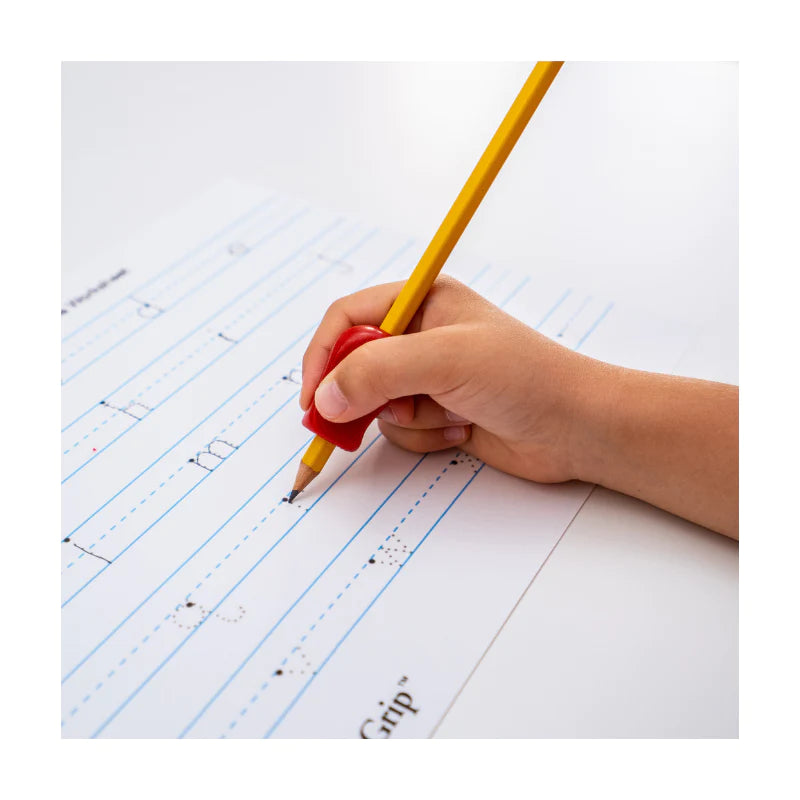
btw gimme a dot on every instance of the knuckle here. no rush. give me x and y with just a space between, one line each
371 373
334 310
355 372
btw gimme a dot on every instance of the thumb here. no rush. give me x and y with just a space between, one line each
429 362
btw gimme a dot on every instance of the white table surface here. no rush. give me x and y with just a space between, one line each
626 181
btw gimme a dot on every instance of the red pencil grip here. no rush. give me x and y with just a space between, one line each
347 435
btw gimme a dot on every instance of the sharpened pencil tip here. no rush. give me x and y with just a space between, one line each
293 494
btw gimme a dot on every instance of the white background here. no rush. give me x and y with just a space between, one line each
626 180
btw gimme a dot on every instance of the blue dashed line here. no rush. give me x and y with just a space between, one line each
99 336
124 660
303 638
94 430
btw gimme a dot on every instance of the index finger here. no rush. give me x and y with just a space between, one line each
366 307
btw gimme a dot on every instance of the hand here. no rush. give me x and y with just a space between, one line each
468 375
465 374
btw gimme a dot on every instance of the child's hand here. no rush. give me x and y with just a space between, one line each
468 375
465 374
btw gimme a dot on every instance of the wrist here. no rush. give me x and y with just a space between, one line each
598 401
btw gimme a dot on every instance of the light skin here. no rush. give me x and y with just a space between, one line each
468 375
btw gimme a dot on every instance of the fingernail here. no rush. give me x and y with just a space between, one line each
453 417
388 414
330 401
455 434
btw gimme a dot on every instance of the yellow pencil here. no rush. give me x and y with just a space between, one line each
469 198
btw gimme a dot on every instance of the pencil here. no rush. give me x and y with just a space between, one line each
433 259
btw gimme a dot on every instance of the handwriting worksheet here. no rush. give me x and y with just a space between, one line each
195 601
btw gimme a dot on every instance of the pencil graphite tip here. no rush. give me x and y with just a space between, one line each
293 494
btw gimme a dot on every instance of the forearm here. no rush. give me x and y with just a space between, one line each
670 441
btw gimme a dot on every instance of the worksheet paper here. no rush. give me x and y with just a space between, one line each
195 601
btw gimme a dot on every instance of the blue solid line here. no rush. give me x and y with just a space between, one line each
241 388
79 418
580 308
385 266
113 347
228 305
206 418
292 606
224 353
596 323
101 314
552 310
186 561
205 477
230 591
364 612
261 204
232 262
238 297
188 381
103 449
514 293
498 281
479 275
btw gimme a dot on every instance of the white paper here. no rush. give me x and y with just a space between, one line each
195 601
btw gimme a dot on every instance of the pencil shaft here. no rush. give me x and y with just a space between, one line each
318 452
469 198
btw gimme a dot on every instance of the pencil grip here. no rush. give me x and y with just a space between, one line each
347 435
